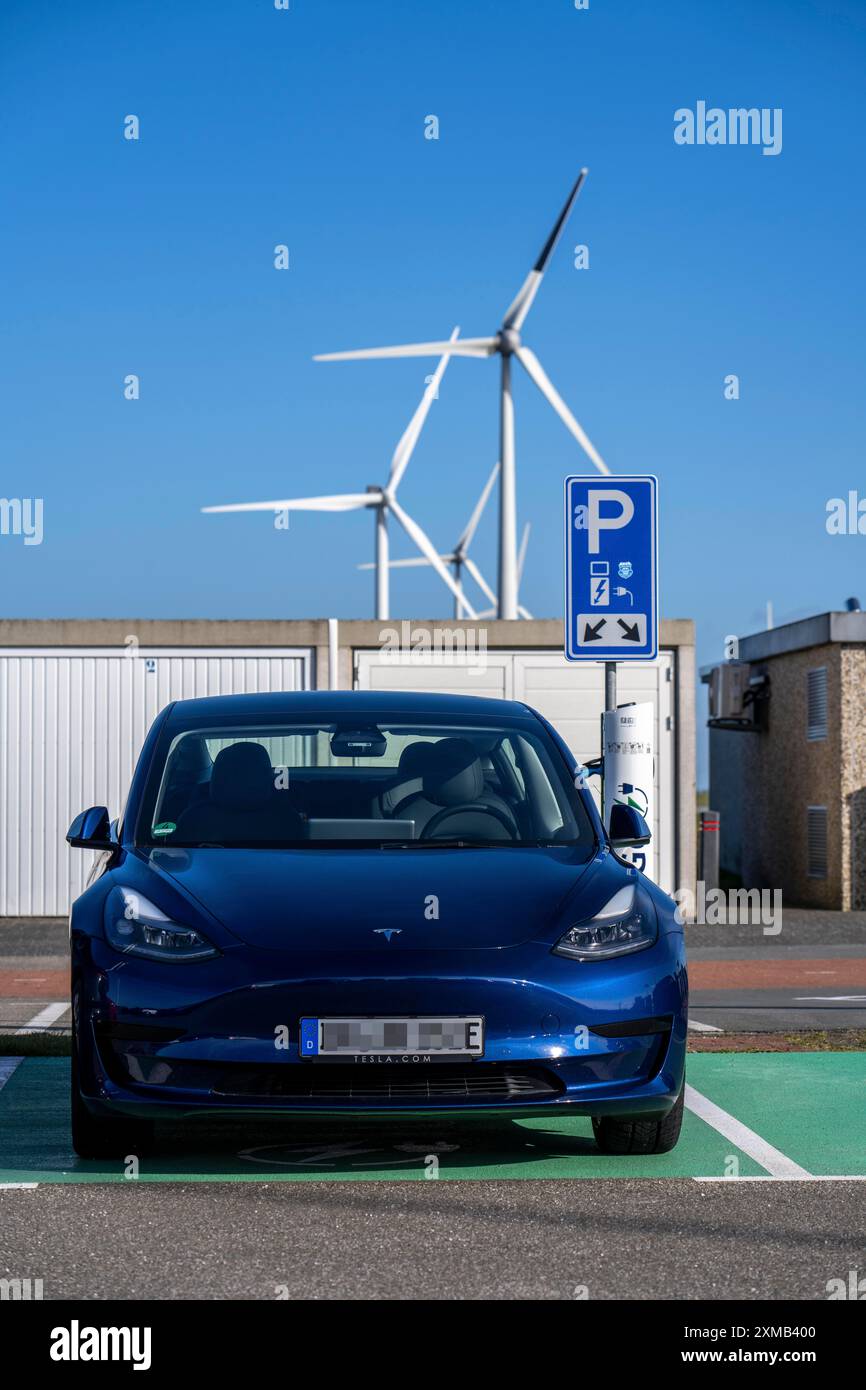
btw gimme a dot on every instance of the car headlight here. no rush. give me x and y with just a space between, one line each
136 927
626 923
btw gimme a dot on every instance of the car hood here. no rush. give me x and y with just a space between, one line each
332 899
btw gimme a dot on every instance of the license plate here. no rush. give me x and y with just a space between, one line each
392 1037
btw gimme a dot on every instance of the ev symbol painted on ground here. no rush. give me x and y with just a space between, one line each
611 598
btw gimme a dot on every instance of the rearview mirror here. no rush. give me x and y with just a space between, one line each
358 743
628 829
91 830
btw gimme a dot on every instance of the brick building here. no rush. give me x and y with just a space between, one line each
791 791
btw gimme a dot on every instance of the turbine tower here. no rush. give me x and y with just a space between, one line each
521 561
507 343
381 499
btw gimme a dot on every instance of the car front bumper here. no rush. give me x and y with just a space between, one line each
220 1037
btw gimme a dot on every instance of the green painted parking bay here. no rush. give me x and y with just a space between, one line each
810 1107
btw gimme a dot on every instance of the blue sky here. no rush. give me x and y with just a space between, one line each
306 127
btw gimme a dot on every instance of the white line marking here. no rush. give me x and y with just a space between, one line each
704 1027
7 1066
812 1177
777 1164
830 998
44 1019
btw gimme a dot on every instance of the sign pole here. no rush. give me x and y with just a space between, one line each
610 685
609 704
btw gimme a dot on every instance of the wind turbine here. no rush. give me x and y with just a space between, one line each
507 343
381 499
459 558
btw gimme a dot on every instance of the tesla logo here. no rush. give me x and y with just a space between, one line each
387 932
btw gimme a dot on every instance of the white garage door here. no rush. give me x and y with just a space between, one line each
570 695
72 722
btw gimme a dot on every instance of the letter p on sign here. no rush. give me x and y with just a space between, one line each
596 523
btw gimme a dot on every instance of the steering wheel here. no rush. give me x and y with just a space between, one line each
446 811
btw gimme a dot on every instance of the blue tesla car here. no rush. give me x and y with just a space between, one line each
365 903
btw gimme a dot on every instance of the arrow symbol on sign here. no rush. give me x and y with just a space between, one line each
593 634
630 631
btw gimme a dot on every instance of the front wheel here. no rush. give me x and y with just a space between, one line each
615 1136
95 1137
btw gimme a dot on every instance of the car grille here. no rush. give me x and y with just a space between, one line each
398 1082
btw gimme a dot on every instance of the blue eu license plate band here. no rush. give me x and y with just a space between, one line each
309 1037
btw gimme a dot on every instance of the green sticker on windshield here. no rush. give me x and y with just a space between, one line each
165 827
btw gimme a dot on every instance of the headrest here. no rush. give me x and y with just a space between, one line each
455 775
415 758
242 777
191 758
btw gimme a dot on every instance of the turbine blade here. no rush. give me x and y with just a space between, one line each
460 347
479 579
342 502
524 612
534 369
406 446
425 545
515 314
414 562
521 554
466 539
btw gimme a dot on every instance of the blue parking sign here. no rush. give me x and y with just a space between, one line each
611 564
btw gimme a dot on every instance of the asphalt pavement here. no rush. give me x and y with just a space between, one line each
810 975
608 1239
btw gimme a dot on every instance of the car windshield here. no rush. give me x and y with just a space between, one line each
398 783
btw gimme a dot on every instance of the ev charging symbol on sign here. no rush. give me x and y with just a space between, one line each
611 600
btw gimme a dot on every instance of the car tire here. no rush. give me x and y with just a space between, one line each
620 1136
96 1137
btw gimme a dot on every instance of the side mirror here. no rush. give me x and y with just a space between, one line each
91 830
628 829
